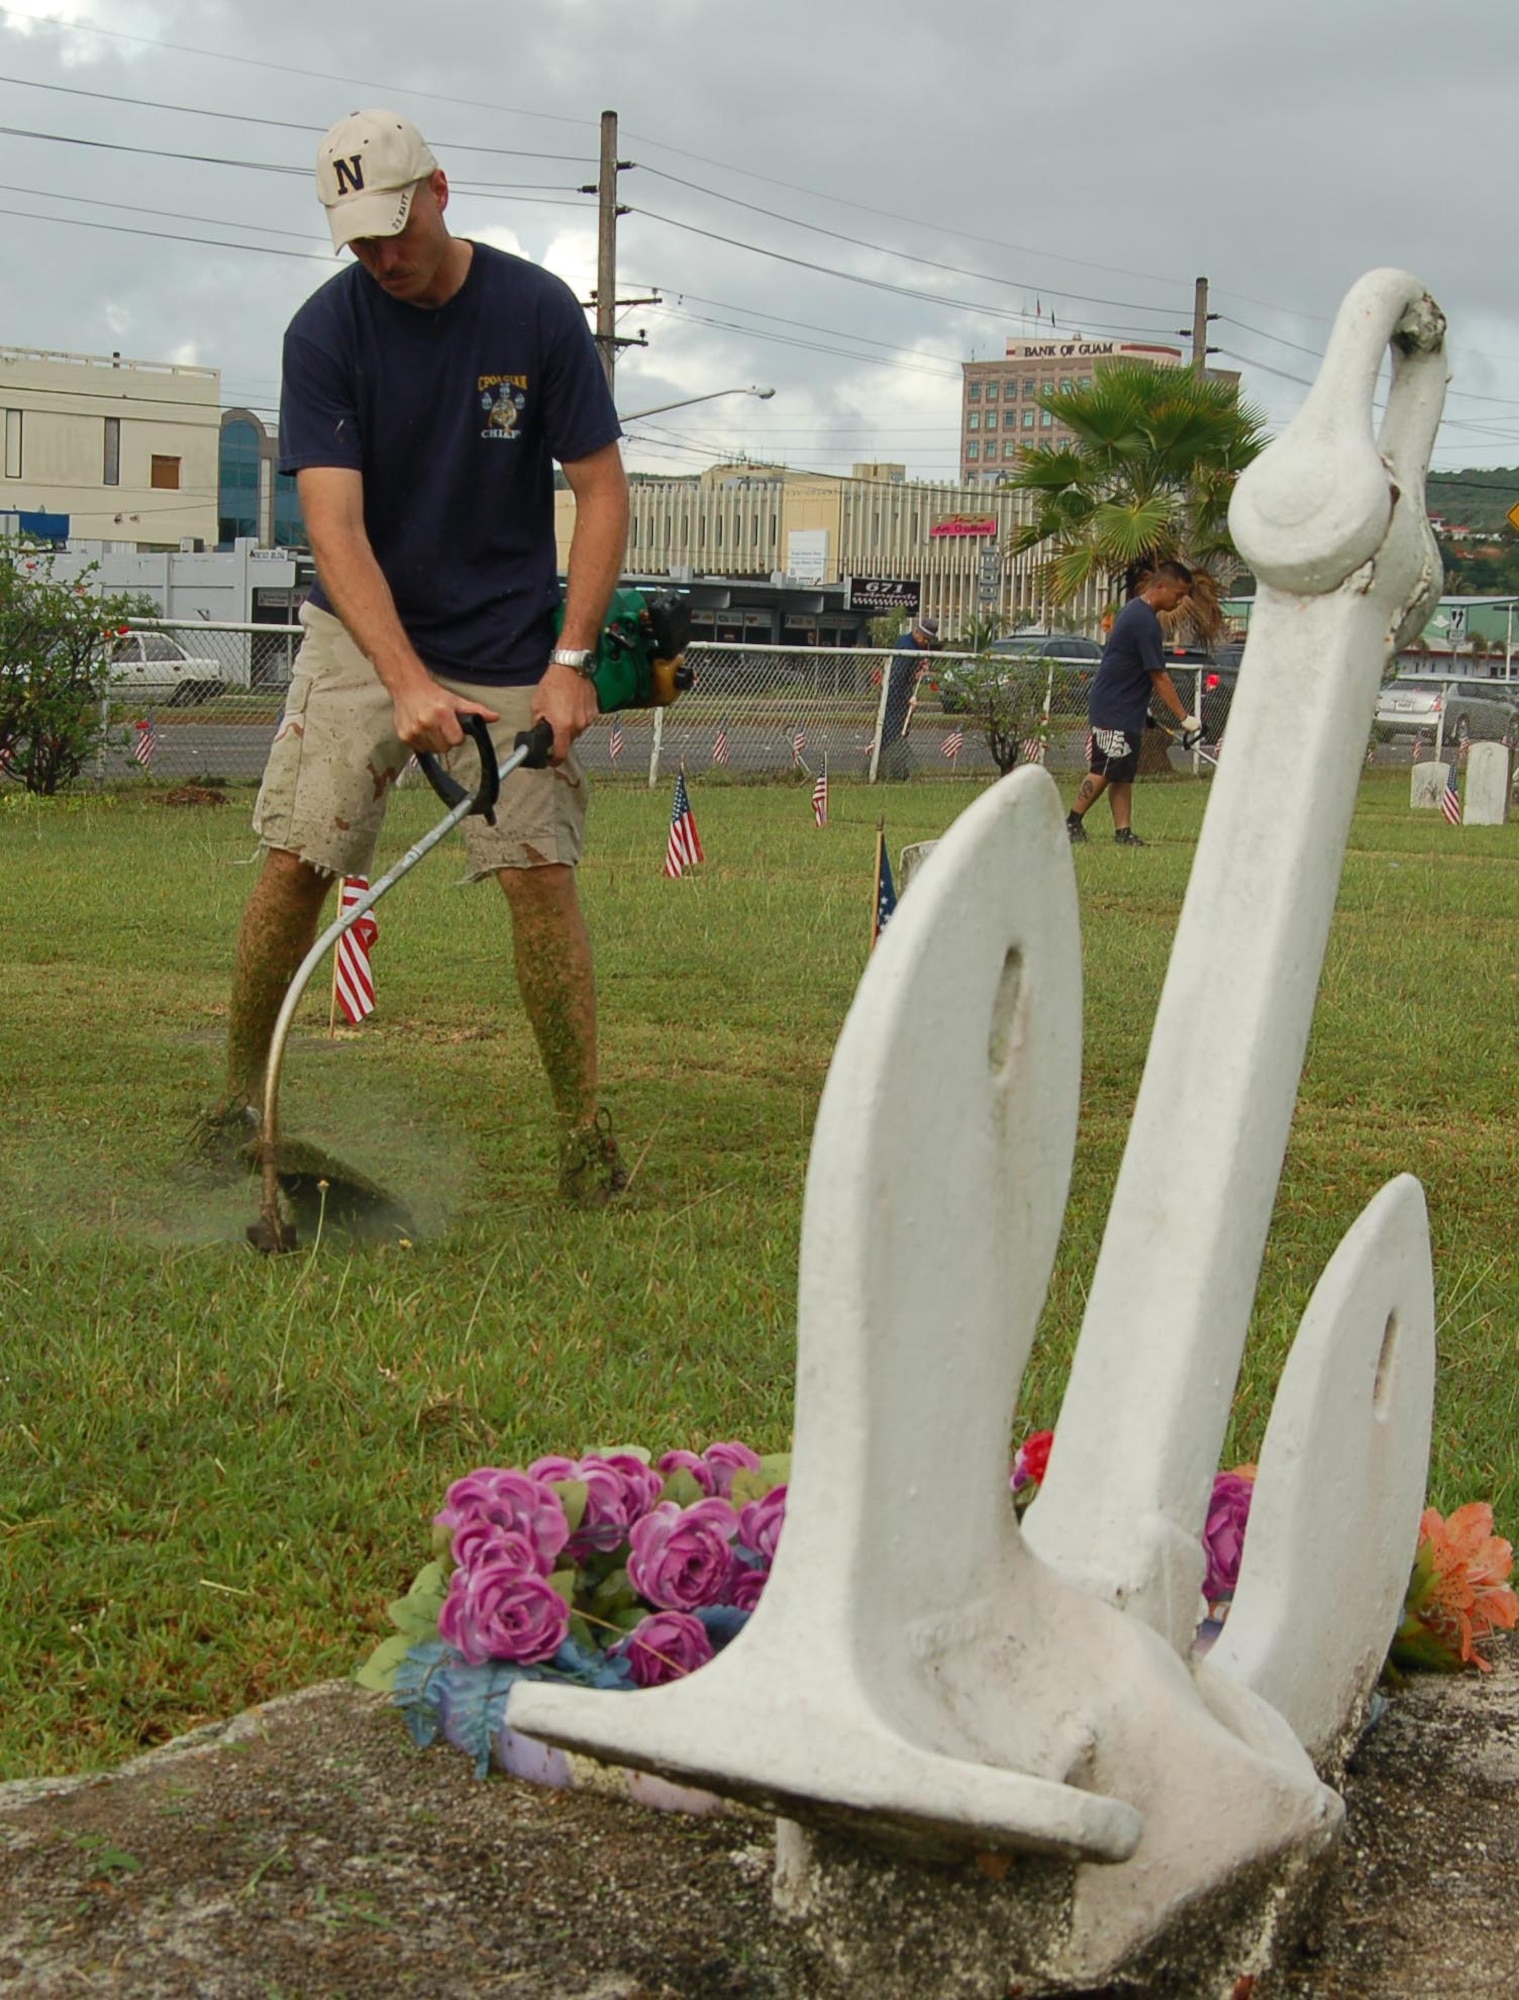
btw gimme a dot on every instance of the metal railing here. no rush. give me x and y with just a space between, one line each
755 713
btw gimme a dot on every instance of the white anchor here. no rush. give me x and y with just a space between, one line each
921 1677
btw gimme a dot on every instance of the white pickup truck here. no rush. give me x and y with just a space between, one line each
158 668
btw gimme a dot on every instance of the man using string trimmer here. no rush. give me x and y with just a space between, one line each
427 391
1133 669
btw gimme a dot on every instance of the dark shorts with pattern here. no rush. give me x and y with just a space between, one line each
1113 754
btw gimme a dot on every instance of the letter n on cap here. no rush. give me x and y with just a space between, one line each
350 173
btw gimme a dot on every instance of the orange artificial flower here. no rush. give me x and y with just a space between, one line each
1459 1593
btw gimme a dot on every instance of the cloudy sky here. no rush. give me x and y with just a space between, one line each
843 201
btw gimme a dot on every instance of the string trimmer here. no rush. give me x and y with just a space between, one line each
1185 738
639 664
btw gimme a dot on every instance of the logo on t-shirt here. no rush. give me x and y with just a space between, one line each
503 398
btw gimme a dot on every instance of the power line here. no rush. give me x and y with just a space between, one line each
164 214
888 250
278 124
940 299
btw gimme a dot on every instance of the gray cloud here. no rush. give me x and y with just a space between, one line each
1045 152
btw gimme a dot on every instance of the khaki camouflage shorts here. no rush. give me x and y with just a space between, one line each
336 756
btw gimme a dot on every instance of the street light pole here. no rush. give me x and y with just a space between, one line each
632 416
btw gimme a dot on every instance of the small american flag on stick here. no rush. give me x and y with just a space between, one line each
1450 798
683 850
145 748
720 746
820 797
352 975
953 744
798 745
1032 749
615 746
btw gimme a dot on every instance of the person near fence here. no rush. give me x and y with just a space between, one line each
904 670
428 388
1132 673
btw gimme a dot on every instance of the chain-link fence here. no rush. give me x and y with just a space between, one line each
200 702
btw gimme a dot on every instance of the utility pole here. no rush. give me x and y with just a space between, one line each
606 300
1200 318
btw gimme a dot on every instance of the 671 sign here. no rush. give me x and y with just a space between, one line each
884 593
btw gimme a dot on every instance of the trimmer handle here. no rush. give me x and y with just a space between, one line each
537 742
448 788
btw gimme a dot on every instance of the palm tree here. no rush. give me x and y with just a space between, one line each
1154 458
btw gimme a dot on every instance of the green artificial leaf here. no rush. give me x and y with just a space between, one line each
776 1467
379 1670
611 1593
619 1451
628 1617
1421 1581
1416 1649
749 1486
583 1635
682 1487
564 1581
416 1614
442 1542
573 1495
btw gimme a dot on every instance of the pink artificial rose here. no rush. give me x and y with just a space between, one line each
665 1646
687 1461
760 1523
680 1557
497 1611
481 1541
723 1460
747 1587
552 1469
619 1489
643 1483
515 1501
1224 1534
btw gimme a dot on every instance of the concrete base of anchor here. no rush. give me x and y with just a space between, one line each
1013 1927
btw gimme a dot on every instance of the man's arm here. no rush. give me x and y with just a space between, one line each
597 549
332 502
1162 684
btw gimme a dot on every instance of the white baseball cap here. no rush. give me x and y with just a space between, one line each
367 170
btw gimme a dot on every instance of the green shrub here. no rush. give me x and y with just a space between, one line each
53 667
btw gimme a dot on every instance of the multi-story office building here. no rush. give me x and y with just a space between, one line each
1000 414
126 450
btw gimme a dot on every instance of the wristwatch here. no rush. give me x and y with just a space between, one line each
581 658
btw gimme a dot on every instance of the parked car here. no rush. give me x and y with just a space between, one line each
158 668
1029 655
1414 704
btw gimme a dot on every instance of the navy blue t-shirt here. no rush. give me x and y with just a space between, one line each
1120 697
454 416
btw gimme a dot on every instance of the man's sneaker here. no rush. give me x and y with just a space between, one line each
1074 828
225 1136
1127 837
591 1172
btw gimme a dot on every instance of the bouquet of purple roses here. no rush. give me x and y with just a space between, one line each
604 1569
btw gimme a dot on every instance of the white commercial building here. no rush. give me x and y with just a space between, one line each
127 450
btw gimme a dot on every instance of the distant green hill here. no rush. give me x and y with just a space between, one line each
1477 499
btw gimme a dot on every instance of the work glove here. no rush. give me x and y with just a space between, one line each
1191 731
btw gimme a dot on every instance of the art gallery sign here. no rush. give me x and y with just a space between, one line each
955 525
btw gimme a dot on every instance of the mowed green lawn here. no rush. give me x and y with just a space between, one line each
216 1469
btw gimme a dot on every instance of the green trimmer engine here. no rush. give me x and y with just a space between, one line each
640 660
